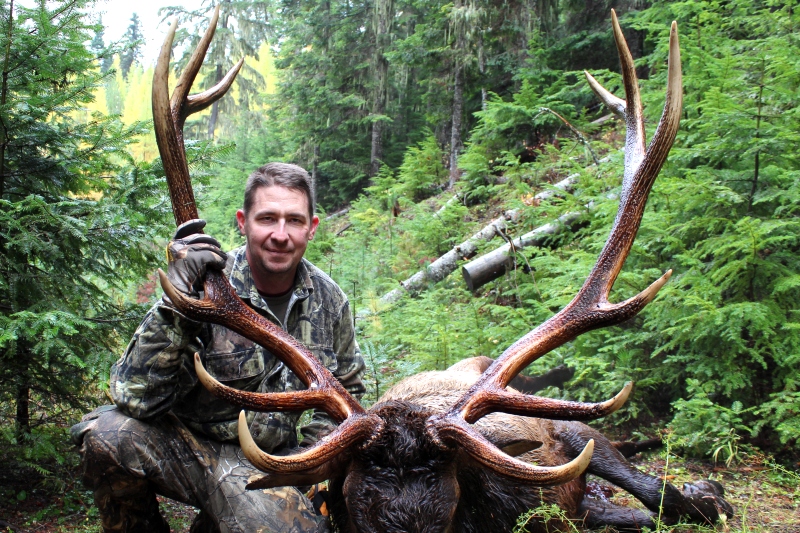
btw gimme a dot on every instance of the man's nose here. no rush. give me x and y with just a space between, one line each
280 233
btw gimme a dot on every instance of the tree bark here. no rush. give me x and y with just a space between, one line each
314 163
482 70
4 97
376 152
384 14
459 51
23 411
23 393
455 134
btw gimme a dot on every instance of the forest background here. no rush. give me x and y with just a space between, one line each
425 120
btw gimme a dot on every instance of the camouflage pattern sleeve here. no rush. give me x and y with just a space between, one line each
349 371
150 375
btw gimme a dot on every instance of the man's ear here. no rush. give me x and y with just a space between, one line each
314 225
240 219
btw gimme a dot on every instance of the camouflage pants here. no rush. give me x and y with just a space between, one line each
127 462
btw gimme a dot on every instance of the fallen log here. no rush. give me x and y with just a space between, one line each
448 263
491 266
494 264
338 213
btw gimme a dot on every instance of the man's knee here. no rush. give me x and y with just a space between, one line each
105 438
278 510
238 510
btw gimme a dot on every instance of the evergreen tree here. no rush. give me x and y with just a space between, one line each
101 52
325 93
75 221
132 42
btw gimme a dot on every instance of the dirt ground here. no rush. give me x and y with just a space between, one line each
766 498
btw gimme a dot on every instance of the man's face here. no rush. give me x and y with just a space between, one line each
278 228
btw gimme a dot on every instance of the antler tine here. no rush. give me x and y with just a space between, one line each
182 103
353 430
615 104
590 309
634 115
186 80
514 403
170 138
221 306
486 453
200 101
275 401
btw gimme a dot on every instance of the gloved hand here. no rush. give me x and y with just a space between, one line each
190 254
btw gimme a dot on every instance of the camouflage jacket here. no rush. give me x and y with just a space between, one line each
156 372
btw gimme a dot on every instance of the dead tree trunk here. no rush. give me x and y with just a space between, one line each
494 264
448 263
383 17
455 133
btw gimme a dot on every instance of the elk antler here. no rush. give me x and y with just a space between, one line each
169 116
590 309
221 305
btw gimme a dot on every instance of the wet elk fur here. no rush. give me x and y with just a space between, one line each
459 450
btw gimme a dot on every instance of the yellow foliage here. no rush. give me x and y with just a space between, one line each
131 98
136 106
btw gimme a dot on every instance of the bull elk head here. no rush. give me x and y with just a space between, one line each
590 309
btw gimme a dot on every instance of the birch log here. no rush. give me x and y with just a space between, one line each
494 264
448 263
443 266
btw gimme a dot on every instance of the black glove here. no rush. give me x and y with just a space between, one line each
190 254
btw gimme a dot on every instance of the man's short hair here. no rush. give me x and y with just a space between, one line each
283 174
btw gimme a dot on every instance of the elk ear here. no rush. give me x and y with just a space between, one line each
517 447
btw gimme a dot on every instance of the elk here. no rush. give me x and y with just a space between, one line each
458 450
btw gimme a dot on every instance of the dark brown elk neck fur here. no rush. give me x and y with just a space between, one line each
495 503
403 482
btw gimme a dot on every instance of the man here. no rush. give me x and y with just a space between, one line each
166 434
